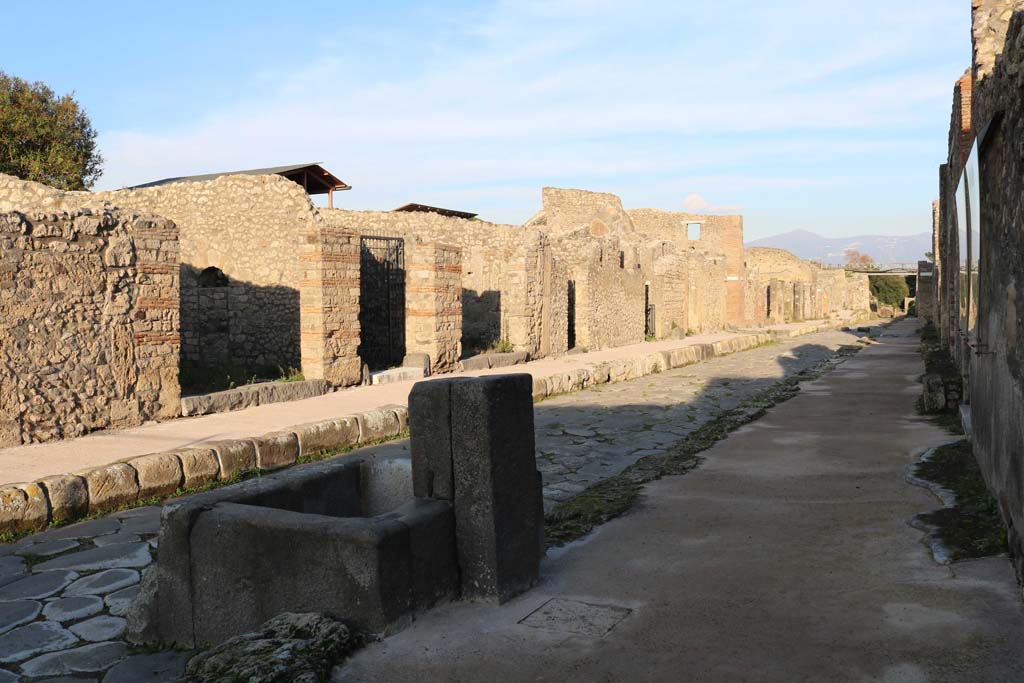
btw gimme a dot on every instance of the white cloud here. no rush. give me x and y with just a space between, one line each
694 203
574 92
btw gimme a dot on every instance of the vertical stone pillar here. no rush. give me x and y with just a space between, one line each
472 443
433 303
778 302
329 306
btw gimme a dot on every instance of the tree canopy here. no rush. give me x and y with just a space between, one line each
857 259
890 289
45 137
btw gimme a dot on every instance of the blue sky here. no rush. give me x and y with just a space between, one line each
829 117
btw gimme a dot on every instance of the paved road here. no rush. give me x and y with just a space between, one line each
787 556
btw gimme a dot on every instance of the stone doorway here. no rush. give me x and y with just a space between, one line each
381 301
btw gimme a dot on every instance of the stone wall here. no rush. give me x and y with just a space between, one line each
925 298
509 291
89 322
244 234
669 285
706 297
719 234
609 289
433 290
997 359
567 210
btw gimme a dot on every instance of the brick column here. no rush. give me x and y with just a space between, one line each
433 303
329 306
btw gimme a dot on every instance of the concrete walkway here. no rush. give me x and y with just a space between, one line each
32 462
787 556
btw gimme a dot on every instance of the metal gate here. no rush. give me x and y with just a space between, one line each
381 301
649 320
572 314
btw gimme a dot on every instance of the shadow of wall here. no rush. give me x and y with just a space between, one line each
236 327
481 320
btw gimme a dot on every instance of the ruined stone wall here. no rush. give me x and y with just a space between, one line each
997 385
706 310
720 234
925 297
508 287
668 280
88 322
609 290
566 210
250 228
433 310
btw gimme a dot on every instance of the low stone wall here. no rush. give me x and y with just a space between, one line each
252 395
88 323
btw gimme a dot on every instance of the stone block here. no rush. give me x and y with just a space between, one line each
435 564
474 363
276 450
401 414
376 425
234 456
499 517
430 439
111 486
220 401
279 392
417 360
396 375
326 435
199 466
158 474
21 509
359 568
540 388
68 496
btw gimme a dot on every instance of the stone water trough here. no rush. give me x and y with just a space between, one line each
369 540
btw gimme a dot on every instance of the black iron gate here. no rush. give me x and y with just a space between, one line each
572 314
381 301
649 328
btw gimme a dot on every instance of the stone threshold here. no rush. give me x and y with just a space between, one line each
59 499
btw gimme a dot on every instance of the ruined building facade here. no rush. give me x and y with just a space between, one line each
977 283
133 286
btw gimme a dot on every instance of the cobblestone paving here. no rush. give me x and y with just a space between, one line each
64 592
595 434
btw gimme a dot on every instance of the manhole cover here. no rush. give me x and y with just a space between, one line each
572 616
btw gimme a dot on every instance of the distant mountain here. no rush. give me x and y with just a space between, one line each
882 248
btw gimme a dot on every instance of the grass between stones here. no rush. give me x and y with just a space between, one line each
612 497
972 527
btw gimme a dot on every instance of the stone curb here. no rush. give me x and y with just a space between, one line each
65 498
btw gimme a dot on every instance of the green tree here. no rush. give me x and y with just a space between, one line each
890 289
46 138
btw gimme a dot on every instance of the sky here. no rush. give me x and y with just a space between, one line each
822 116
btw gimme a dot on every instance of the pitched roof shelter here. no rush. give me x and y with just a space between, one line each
314 178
